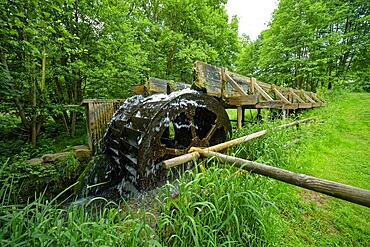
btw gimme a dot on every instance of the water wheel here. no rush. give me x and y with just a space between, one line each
146 131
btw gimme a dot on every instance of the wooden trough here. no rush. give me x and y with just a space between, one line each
237 91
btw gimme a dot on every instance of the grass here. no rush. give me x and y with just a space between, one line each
336 148
218 205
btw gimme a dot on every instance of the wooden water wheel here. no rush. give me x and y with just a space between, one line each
146 131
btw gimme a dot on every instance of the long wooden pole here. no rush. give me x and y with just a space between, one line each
193 155
338 190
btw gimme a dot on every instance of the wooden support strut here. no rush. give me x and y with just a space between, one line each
338 190
240 117
294 95
281 96
262 92
308 97
236 85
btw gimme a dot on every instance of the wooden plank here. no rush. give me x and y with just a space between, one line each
304 105
338 190
155 85
277 104
291 106
208 78
242 100
138 89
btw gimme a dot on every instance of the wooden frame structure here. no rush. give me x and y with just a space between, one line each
237 91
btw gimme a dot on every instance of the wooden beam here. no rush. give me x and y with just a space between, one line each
239 117
277 104
313 96
281 96
308 97
253 82
338 190
296 96
236 85
242 100
180 160
262 92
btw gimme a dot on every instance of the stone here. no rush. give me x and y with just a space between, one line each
50 158
82 152
35 161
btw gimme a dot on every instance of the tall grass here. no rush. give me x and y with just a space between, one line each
41 223
217 207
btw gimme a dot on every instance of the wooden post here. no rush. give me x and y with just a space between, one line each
284 115
253 82
88 122
338 190
259 116
239 117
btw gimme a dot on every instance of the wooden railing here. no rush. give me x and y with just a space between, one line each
99 112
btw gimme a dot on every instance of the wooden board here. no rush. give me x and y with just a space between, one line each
155 85
208 78
242 100
99 112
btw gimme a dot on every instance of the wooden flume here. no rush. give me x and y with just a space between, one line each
349 193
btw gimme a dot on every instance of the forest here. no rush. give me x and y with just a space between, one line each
56 53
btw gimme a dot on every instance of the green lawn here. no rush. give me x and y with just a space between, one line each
336 148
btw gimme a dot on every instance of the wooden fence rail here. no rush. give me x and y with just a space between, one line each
338 190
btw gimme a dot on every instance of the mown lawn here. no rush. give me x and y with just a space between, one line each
337 148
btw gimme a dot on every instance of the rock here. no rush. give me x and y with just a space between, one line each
82 152
35 161
49 158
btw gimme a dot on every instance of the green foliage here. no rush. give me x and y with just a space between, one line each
334 148
311 44
55 53
44 223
